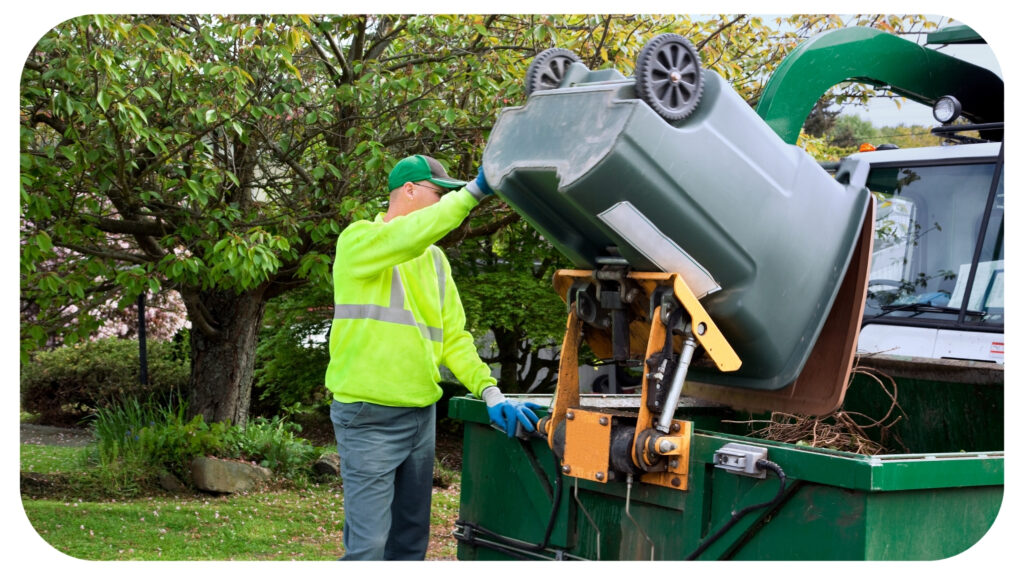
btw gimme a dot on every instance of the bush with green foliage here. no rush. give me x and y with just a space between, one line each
144 438
65 385
290 367
273 443
137 440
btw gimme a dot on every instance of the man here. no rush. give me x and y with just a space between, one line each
397 318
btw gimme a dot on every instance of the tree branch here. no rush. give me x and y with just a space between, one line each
131 227
198 313
338 76
111 255
596 61
355 50
286 159
465 231
381 43
721 29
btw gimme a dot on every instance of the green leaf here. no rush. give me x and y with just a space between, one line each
148 34
43 241
103 99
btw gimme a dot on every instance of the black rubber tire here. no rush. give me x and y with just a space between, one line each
668 76
548 68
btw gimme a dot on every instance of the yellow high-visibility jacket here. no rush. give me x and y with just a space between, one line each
397 312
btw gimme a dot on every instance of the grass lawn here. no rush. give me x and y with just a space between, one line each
275 523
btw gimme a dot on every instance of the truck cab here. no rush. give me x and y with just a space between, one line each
936 280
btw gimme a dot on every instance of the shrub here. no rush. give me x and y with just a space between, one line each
290 365
136 440
273 443
147 437
65 385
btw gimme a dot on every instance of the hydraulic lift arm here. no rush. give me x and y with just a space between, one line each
606 308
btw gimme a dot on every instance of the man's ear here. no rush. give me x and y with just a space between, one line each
408 189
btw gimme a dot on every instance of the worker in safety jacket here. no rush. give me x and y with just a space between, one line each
397 318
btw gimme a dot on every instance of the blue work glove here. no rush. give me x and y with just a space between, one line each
505 413
479 187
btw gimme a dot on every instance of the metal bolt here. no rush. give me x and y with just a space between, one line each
599 476
675 427
665 445
676 482
673 463
603 421
566 469
701 328
570 415
631 295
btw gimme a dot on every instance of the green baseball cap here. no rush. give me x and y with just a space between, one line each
419 168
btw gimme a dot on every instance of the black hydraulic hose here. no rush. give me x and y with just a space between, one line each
737 515
515 543
494 547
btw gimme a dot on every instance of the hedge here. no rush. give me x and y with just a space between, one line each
65 385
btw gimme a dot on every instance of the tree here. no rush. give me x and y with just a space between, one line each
851 132
505 283
219 157
213 156
821 119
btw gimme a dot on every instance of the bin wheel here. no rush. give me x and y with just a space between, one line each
548 68
668 76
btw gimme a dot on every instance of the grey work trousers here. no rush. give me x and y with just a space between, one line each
387 470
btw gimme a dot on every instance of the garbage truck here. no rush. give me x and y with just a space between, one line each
738 294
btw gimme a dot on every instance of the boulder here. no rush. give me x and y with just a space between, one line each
222 476
328 464
170 483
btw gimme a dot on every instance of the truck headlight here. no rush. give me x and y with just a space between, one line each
946 109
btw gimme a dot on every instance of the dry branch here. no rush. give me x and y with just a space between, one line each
840 430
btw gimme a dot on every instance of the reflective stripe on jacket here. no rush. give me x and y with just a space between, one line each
398 315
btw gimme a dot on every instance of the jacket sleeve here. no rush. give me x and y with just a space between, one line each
460 353
369 248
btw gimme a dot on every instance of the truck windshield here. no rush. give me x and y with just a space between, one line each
929 220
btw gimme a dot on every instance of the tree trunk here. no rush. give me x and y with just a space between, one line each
507 341
223 353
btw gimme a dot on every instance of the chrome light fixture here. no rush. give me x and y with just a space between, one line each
946 110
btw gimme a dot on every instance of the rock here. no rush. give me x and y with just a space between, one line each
221 476
328 464
169 482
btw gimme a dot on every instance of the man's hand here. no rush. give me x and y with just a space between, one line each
479 187
505 413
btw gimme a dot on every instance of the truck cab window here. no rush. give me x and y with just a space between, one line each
928 220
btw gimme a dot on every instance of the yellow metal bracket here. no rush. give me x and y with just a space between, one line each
676 455
704 328
588 437
588 433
